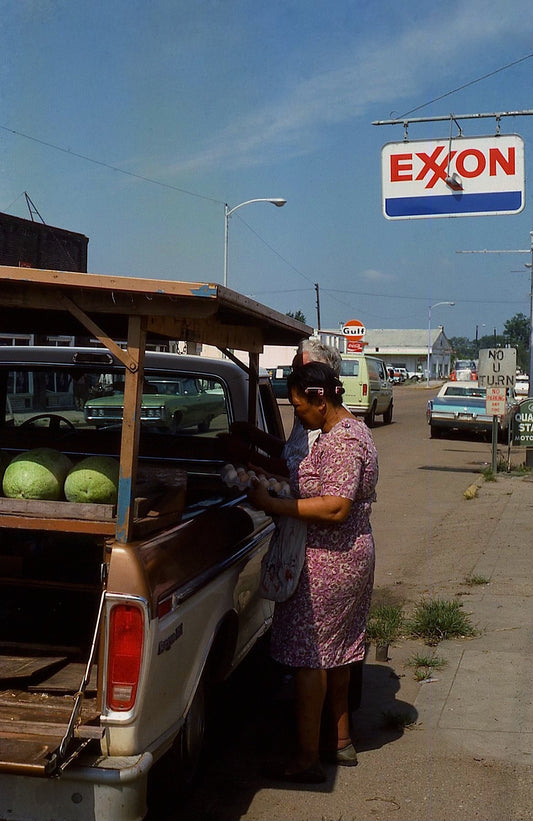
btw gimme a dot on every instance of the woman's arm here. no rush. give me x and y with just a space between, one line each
319 509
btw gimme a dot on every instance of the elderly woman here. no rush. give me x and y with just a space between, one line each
320 630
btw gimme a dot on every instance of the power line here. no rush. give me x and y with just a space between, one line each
109 165
466 85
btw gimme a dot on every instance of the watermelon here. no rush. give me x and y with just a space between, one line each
94 480
4 462
36 474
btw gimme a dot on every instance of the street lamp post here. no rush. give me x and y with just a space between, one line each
451 304
278 202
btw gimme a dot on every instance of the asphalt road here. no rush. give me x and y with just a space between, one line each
418 523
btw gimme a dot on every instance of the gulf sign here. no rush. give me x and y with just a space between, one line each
462 177
354 331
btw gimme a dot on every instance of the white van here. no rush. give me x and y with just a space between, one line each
367 390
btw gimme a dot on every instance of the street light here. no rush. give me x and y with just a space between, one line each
451 304
227 214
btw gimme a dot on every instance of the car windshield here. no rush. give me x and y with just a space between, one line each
456 390
92 398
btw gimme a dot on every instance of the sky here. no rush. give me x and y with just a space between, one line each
135 122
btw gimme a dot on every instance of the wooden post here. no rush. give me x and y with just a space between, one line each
131 427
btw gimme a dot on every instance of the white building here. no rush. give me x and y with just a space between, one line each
404 348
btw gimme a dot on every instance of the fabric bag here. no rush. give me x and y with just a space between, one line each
282 563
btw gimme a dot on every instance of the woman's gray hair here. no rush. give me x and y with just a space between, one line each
318 352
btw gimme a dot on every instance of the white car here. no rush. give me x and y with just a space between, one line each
521 387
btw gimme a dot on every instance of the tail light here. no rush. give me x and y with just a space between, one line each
365 389
124 656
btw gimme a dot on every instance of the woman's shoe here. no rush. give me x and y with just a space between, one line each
311 775
345 757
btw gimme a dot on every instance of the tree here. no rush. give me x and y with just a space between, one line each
516 331
463 348
298 315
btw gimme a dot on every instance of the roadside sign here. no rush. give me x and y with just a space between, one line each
354 331
495 401
497 368
459 177
523 424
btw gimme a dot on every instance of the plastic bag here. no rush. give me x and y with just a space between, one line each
282 563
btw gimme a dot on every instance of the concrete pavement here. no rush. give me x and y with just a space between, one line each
482 703
468 750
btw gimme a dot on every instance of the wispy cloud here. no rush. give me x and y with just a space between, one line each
374 71
372 275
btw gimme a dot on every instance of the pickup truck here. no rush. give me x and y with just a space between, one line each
117 620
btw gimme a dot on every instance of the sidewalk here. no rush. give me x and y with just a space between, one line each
482 703
465 750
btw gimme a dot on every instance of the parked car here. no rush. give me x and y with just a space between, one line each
278 377
464 370
415 376
168 405
367 390
521 387
462 407
395 373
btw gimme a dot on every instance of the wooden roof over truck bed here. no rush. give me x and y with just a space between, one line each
123 309
36 301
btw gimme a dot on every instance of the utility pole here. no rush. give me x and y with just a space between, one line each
317 307
529 451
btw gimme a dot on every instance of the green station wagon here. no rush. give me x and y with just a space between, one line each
168 405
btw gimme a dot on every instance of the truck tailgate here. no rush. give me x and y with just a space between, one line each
34 721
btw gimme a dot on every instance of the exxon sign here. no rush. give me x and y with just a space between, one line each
462 177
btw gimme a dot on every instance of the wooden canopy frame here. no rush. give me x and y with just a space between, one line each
116 309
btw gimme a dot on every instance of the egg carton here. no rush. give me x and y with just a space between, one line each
241 478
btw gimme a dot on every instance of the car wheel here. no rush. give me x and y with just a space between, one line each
174 774
387 416
370 417
203 426
434 432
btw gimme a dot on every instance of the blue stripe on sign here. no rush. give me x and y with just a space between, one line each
453 204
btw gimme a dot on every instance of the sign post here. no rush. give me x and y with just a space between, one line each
497 373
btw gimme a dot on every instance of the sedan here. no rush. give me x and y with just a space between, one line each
168 405
461 407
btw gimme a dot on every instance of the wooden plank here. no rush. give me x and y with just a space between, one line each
58 510
64 525
12 667
52 733
67 680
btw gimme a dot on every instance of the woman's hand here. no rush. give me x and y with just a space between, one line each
259 497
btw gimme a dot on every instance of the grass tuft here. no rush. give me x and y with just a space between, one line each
425 665
398 719
385 624
436 619
475 578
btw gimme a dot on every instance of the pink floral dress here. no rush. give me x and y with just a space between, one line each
323 624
